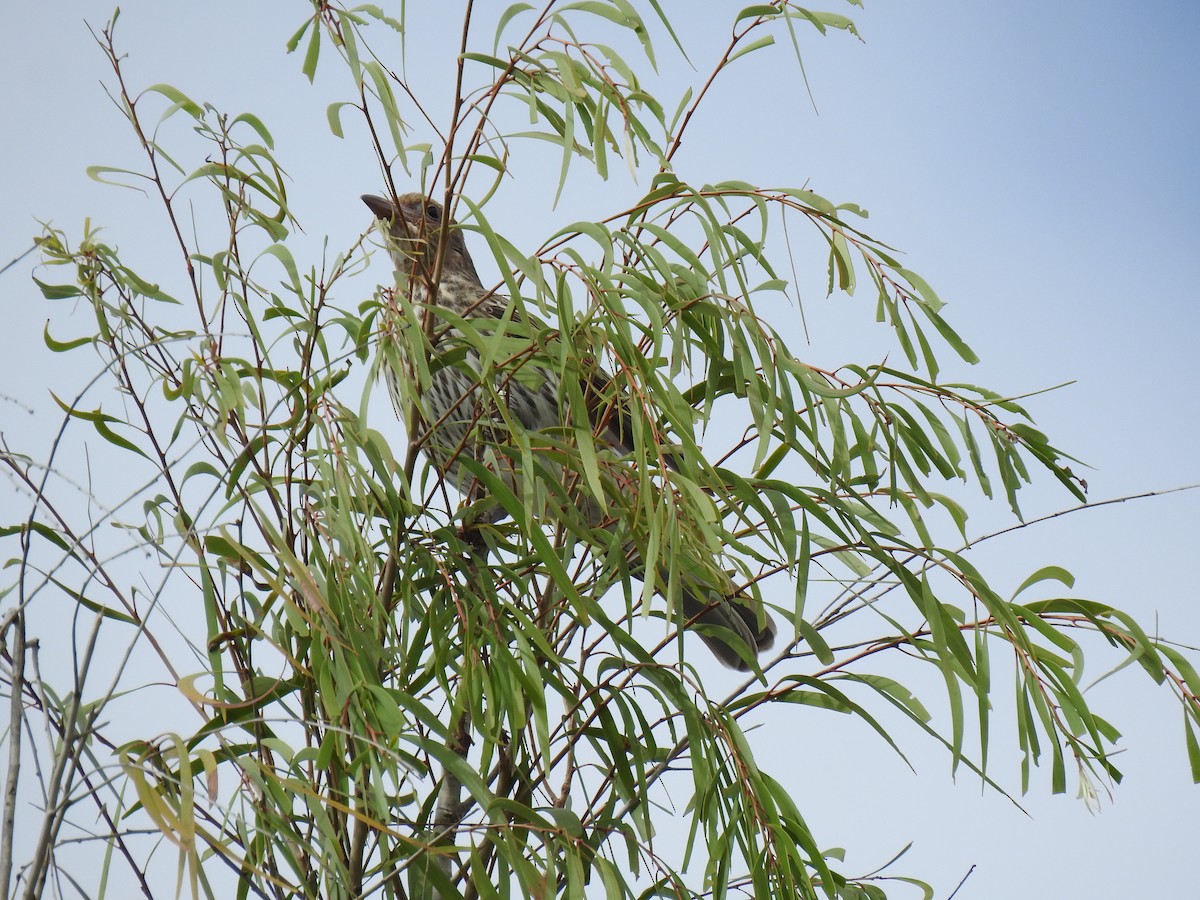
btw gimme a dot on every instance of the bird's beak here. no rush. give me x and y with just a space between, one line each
398 235
380 206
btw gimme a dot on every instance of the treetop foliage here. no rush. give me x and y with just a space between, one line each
374 695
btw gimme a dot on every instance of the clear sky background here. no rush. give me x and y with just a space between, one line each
1037 162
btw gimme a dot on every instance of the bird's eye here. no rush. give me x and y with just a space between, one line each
433 212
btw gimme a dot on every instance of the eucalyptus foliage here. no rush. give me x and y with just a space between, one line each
390 699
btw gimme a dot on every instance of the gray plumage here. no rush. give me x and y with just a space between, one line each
463 419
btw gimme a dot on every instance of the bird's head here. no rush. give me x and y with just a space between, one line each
413 226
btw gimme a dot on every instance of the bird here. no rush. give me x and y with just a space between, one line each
462 418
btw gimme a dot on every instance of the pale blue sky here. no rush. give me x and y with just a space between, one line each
1035 161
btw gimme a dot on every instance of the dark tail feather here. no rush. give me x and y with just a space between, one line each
729 627
734 631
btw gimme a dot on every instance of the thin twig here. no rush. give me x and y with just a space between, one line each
961 883
449 811
8 265
68 764
16 688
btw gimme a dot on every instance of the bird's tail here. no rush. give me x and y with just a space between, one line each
731 623
727 623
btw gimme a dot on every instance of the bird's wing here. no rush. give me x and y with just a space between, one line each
611 411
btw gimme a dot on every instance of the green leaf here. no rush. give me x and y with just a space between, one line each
256 123
40 528
61 347
100 609
754 12
309 67
58 291
1047 573
95 173
281 253
923 289
507 16
100 421
765 41
841 264
333 115
494 61
1193 747
294 41
950 336
179 100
